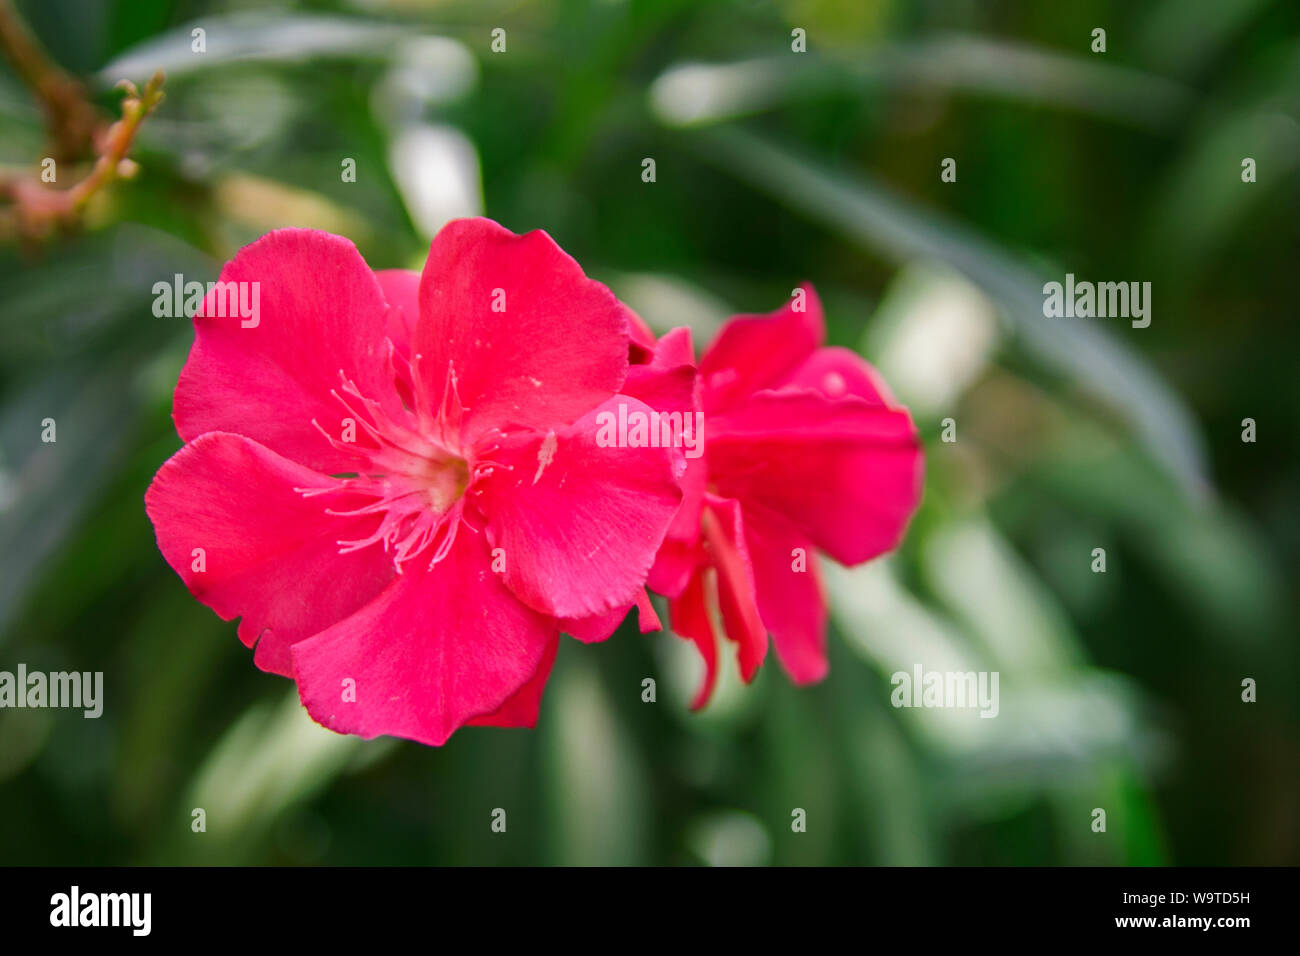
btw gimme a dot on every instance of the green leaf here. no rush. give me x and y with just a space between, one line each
1081 350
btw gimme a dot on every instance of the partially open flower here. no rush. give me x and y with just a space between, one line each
805 451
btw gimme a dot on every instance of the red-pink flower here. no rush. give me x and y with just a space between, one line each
805 450
393 478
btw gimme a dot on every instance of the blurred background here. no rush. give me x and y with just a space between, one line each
1119 690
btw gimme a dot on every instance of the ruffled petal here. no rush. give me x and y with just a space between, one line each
437 649
514 327
269 554
320 313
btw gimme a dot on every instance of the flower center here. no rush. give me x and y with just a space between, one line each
415 477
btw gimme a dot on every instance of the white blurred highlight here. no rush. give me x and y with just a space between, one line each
933 337
437 172
701 93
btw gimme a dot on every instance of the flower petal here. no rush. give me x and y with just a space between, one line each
845 472
837 372
677 560
594 629
269 554
641 341
689 614
401 289
521 709
526 337
752 352
791 601
320 312
669 383
666 387
724 534
600 627
579 523
647 619
438 648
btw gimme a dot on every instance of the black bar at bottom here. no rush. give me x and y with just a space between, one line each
263 906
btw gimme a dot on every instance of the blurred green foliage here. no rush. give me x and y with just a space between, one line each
1119 690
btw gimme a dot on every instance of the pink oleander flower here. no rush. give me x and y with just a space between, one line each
393 479
806 450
